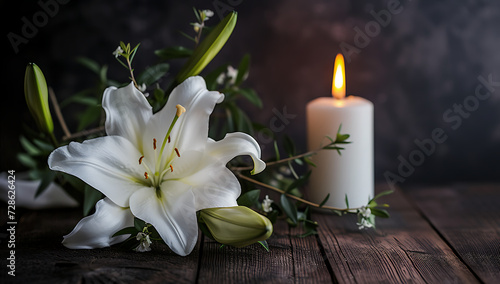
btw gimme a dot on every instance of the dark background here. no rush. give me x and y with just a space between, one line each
425 60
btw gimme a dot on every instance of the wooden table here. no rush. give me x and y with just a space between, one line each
435 235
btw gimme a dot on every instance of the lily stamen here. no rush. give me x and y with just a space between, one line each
177 152
140 159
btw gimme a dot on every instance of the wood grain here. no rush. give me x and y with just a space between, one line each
468 216
41 258
404 249
252 264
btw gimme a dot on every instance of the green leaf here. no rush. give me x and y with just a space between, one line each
44 146
208 48
289 146
129 230
26 160
103 74
299 182
337 212
251 96
346 201
309 161
90 64
91 196
139 224
264 244
153 74
387 192
28 147
211 78
242 69
89 116
249 198
380 213
289 209
276 150
173 52
47 177
324 200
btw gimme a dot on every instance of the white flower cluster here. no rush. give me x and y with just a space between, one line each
144 242
266 204
364 218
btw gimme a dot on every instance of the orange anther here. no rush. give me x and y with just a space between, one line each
171 168
140 159
154 143
177 152
146 175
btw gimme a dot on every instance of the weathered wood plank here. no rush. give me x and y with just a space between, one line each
40 257
404 249
252 264
468 216
308 262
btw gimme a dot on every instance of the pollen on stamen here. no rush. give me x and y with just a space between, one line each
177 152
171 168
154 143
146 175
140 159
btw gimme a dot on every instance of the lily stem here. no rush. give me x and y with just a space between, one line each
59 115
347 210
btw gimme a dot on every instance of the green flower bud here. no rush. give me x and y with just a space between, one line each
237 226
37 97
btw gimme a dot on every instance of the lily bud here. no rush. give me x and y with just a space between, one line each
37 97
237 226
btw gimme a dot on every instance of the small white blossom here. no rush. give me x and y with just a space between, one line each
197 27
266 204
364 223
144 244
285 170
142 87
208 14
232 73
366 212
118 51
221 78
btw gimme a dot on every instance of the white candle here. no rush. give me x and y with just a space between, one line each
351 172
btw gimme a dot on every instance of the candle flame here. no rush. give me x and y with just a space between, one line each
338 84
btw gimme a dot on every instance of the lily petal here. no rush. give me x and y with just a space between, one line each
127 112
109 164
172 214
236 144
97 230
214 186
191 129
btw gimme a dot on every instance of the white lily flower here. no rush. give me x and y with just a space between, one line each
118 51
159 172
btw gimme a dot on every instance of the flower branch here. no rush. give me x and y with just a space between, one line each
293 196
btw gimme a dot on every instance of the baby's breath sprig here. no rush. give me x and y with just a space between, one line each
128 53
